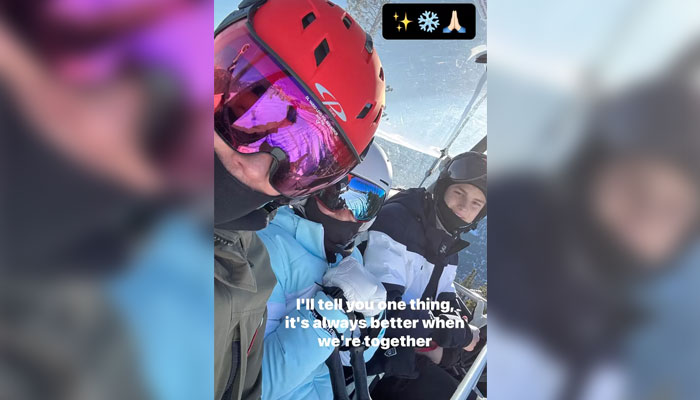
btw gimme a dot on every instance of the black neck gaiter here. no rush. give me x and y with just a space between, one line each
338 236
452 223
236 206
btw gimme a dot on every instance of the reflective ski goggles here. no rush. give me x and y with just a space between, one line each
467 167
259 106
363 198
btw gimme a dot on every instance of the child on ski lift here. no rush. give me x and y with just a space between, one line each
412 248
312 253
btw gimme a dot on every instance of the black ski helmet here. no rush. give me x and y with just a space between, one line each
469 167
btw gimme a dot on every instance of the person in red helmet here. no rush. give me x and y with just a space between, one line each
298 94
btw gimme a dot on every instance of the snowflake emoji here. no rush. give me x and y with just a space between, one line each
428 21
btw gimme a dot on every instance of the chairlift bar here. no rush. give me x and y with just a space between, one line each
468 110
335 368
469 293
359 373
467 385
466 116
481 146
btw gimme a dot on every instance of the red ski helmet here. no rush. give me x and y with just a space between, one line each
329 56
333 56
277 61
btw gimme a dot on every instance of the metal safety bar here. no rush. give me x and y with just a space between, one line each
467 385
480 316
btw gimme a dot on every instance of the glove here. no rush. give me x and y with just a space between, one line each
351 281
464 357
453 337
337 316
475 338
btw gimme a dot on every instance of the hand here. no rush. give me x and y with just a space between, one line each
455 20
475 338
455 337
434 355
356 284
335 316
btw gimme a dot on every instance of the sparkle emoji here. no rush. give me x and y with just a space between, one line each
396 17
398 28
405 21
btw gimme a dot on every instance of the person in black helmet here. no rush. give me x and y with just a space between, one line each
583 253
460 193
412 248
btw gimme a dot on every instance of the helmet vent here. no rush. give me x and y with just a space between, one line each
308 19
365 111
381 73
379 114
366 150
330 4
369 45
321 52
347 21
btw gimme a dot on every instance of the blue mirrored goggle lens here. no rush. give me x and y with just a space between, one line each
364 199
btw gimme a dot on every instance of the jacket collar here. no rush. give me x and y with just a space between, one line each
308 233
231 265
421 204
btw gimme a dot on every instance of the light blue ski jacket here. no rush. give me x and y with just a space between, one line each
293 362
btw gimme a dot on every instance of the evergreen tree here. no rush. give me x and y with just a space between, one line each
367 13
469 280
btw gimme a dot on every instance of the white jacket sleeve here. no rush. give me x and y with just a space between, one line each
388 260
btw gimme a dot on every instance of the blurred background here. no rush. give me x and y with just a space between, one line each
106 156
594 200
